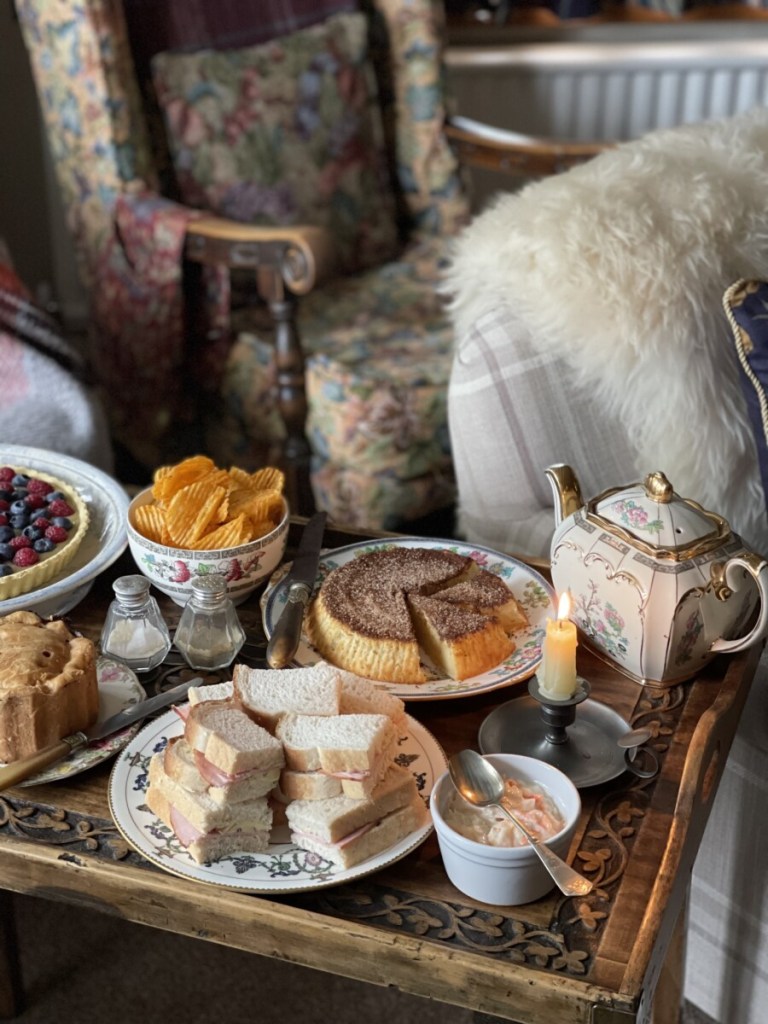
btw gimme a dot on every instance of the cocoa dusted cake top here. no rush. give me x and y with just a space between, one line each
377 613
368 593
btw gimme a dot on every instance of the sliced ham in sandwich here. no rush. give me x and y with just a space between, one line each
355 750
346 831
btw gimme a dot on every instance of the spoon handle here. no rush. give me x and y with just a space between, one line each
568 881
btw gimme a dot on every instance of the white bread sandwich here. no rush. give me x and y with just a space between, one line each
209 830
228 745
210 691
268 694
355 749
360 696
346 831
183 764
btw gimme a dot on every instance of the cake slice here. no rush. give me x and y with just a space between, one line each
462 643
487 594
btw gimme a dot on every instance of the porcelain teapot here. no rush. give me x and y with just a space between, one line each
658 584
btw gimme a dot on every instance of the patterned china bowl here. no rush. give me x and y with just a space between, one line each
173 570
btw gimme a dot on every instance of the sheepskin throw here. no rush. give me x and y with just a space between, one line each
621 265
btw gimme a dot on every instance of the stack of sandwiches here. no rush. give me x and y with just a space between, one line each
210 786
312 746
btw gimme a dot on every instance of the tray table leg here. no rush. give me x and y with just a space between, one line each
668 997
11 998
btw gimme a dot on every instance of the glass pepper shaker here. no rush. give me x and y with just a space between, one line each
134 630
209 634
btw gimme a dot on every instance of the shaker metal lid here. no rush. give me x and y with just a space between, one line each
651 516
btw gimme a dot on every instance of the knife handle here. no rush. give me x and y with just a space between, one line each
285 639
19 770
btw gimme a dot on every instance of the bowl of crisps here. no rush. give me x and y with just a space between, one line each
197 519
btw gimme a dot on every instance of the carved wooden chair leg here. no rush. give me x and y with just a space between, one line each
11 993
291 397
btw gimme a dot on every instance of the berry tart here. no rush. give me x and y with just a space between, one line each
42 524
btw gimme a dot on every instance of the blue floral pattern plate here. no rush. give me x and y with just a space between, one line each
534 593
118 688
284 867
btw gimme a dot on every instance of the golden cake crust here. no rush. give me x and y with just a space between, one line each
48 684
376 613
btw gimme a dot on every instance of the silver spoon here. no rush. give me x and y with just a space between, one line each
635 737
480 784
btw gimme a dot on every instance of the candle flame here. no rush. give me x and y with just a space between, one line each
564 606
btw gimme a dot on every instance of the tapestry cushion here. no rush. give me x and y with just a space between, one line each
407 51
286 132
379 358
746 306
379 501
378 348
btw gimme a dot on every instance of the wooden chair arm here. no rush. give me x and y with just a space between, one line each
496 149
303 255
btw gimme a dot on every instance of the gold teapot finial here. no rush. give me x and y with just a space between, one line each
658 488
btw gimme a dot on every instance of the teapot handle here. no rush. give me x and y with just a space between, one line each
757 567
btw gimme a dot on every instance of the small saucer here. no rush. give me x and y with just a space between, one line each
591 753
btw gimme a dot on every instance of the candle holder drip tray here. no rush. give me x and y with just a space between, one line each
590 753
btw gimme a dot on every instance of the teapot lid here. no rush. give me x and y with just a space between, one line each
651 516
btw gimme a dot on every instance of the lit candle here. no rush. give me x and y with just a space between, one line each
557 673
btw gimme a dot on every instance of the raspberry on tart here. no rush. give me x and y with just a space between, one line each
45 523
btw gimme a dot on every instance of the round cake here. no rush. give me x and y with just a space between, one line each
48 684
42 524
378 613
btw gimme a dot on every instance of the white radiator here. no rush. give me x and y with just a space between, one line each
608 90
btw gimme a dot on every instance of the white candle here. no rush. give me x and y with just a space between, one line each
557 673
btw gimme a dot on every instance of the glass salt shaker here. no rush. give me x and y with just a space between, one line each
134 630
209 634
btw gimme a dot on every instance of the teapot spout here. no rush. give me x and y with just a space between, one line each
566 490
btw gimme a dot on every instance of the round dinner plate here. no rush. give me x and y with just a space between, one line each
283 867
532 591
119 688
103 543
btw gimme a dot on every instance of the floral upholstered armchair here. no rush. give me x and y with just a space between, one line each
301 150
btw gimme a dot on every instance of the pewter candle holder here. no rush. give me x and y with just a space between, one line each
577 735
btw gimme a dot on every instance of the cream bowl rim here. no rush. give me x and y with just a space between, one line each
470 847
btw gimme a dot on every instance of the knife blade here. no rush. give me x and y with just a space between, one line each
19 770
301 581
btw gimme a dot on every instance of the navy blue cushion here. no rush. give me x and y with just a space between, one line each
746 305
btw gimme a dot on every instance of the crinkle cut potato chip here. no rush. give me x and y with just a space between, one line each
200 507
150 521
192 510
168 480
268 479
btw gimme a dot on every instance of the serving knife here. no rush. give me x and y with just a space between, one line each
301 581
19 770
